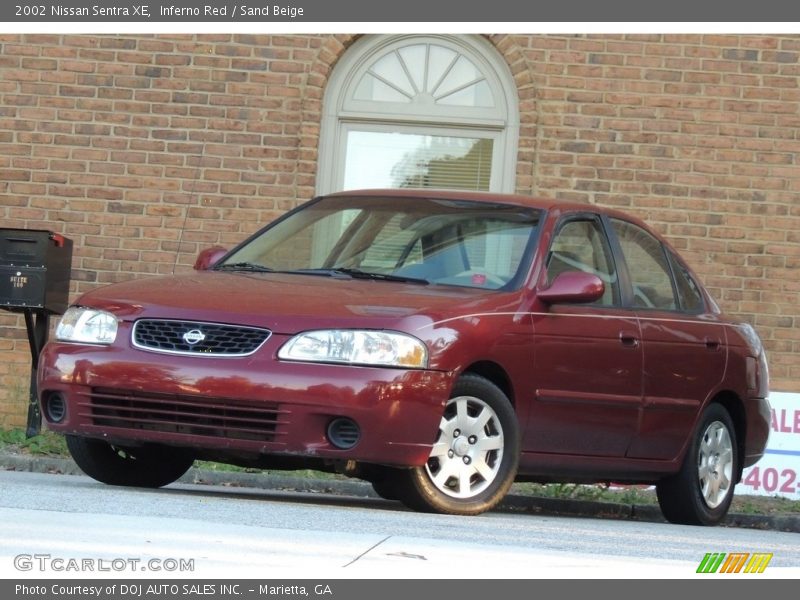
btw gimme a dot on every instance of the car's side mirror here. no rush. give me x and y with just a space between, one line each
209 257
573 287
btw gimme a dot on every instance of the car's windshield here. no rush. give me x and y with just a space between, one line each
449 242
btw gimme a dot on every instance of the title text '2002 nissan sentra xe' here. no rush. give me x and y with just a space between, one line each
438 344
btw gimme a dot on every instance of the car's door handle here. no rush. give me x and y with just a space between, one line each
713 343
629 339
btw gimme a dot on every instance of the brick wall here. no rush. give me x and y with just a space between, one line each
699 135
122 142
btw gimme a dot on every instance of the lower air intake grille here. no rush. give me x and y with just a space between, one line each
209 417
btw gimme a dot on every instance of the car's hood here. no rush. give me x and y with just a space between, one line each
286 303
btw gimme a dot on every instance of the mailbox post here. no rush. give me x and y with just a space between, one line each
35 270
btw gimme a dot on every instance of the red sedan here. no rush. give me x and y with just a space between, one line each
438 344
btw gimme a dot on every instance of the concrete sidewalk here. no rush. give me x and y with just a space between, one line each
354 487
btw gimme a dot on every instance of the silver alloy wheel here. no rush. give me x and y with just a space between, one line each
715 464
467 455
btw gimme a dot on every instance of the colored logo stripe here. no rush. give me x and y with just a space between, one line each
734 563
711 562
758 563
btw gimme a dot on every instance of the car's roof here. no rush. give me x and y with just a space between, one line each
517 199
548 204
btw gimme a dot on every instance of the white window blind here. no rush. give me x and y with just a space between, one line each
377 159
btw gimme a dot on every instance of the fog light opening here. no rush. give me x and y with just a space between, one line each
343 433
55 407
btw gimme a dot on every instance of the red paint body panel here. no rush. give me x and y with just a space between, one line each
588 383
684 361
600 392
398 410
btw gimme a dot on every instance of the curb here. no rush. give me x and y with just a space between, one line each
514 503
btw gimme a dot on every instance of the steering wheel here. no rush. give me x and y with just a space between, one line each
638 293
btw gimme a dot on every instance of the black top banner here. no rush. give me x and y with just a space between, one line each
362 11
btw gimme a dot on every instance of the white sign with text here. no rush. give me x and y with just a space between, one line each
778 472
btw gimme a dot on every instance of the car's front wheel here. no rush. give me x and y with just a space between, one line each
147 466
474 459
702 491
384 482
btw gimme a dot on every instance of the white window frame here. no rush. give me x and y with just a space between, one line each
340 155
500 123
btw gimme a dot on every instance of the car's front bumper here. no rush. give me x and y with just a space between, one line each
255 405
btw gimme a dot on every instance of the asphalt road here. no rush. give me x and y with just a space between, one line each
235 532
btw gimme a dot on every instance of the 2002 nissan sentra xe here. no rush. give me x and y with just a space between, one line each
437 344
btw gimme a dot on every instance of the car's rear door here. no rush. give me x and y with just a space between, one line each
684 346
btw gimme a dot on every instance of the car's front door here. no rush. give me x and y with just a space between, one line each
588 358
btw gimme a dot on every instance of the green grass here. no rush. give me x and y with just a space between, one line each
46 443
598 492
753 505
51 444
223 467
765 505
300 473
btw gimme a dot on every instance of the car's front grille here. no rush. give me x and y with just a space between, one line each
196 338
184 414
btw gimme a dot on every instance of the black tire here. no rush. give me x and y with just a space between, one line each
149 466
692 498
384 483
444 485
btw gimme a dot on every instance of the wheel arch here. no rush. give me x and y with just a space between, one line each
493 372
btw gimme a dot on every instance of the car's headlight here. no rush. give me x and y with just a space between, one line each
357 347
87 325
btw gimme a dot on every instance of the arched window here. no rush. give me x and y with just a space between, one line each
436 111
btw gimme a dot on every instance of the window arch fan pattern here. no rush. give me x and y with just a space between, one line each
422 112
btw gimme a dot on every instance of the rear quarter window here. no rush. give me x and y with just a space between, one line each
689 295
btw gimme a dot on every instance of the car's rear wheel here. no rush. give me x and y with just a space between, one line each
146 466
474 458
702 491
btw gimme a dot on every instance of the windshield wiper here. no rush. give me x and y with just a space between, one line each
345 272
244 266
359 274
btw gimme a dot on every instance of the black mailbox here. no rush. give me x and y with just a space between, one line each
34 270
34 280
